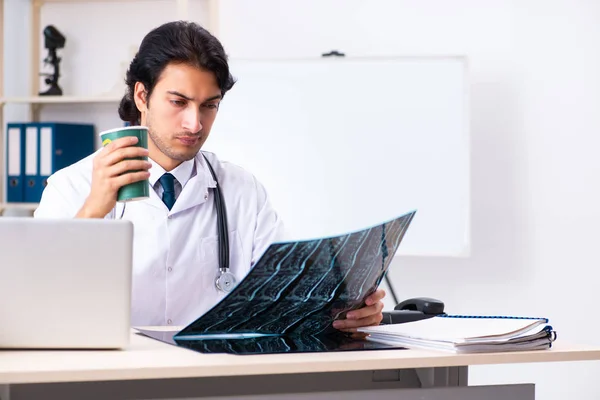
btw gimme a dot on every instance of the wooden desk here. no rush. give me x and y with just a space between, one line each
151 369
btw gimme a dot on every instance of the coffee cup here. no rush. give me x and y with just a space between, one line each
138 190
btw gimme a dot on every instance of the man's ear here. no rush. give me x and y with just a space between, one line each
140 97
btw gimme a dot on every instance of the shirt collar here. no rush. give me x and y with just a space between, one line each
183 172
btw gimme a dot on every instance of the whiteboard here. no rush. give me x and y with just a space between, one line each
346 143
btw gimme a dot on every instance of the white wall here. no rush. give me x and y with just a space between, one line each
16 27
535 94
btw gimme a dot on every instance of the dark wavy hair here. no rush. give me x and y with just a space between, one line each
174 42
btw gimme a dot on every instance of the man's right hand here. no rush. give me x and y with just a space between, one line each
110 174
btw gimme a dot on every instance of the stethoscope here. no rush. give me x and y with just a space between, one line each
225 281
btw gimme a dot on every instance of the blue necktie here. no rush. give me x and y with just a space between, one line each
167 181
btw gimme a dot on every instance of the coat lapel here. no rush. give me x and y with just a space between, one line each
196 191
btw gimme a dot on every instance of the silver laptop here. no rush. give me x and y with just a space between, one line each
65 283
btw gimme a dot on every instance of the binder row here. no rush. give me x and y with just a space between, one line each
36 150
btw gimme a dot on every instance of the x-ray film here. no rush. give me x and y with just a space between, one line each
290 298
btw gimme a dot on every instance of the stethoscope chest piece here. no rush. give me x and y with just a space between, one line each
225 282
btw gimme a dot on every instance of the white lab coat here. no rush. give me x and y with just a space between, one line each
175 253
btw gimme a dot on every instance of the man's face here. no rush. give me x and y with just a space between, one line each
180 113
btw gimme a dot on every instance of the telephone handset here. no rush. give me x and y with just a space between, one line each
413 309
426 305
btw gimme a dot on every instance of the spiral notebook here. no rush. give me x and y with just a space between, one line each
468 333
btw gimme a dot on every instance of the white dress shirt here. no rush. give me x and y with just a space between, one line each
175 252
182 173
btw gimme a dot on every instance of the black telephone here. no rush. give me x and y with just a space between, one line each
413 309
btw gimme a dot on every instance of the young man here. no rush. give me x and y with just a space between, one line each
175 84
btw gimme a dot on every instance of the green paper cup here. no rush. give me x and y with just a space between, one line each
137 190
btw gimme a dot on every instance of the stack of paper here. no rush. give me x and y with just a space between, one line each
468 334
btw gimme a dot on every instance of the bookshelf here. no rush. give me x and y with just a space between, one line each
60 100
34 102
19 206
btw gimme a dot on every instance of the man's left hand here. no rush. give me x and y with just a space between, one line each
366 316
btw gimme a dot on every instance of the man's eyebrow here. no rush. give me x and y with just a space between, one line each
176 93
216 97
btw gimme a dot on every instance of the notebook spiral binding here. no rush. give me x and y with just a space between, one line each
551 333
489 317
